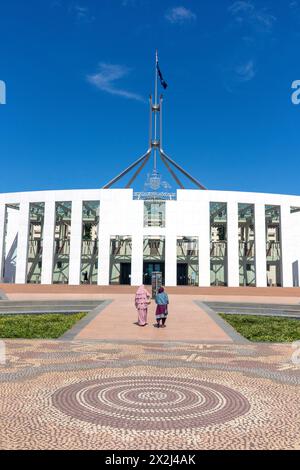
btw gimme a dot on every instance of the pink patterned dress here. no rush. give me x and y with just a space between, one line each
142 298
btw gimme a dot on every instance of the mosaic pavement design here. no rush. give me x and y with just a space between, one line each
107 395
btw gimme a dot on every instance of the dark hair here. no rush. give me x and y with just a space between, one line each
160 290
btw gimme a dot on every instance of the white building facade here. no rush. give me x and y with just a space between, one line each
107 236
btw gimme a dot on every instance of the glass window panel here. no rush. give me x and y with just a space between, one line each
154 214
35 242
187 261
246 232
120 259
273 245
11 231
295 222
61 260
90 242
218 243
153 257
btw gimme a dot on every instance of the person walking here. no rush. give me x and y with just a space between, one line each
142 300
162 301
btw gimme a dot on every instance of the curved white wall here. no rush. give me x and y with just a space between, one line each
120 214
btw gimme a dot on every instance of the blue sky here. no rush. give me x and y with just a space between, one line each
78 75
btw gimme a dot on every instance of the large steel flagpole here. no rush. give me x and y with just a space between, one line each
155 145
155 105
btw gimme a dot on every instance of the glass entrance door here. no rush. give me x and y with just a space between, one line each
149 268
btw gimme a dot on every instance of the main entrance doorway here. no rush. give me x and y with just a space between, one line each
153 257
149 268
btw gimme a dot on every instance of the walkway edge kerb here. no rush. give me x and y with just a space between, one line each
228 329
79 326
3 295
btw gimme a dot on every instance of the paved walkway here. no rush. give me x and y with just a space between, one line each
186 322
120 386
156 396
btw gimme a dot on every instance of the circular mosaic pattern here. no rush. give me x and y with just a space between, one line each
145 403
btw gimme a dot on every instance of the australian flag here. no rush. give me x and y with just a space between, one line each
162 81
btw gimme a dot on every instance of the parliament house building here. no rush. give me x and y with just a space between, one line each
107 236
113 236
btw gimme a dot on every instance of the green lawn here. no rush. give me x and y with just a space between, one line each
268 329
37 326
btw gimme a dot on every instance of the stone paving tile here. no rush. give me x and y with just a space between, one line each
186 322
107 395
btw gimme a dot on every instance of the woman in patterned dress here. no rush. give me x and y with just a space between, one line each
162 302
142 300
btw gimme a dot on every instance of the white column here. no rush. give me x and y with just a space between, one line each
22 248
232 244
204 245
2 235
137 260
75 243
104 258
171 259
286 246
260 246
48 243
